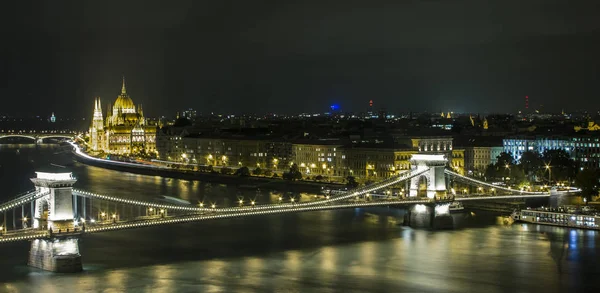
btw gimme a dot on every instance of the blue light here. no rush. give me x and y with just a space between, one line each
335 107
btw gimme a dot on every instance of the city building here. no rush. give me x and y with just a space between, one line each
189 114
582 147
374 162
479 153
124 131
517 145
318 157
458 161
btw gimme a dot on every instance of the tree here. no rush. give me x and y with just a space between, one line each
319 178
504 159
560 164
268 173
226 171
243 172
351 182
257 171
293 174
491 172
588 181
531 162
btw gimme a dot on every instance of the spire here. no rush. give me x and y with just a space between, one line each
123 90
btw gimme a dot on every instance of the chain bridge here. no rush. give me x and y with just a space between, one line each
54 215
37 136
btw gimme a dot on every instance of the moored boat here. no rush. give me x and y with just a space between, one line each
584 218
455 207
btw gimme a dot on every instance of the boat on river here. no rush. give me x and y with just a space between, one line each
456 207
571 217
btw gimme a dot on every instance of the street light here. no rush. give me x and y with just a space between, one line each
548 167
252 203
201 204
280 199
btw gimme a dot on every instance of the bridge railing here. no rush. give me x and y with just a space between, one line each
238 214
481 183
21 200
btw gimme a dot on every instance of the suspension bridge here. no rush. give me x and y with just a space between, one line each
54 215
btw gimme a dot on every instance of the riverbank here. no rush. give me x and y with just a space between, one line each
252 182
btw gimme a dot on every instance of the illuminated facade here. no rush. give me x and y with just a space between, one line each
458 161
124 131
583 148
321 157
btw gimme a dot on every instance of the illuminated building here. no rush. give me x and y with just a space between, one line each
124 131
318 157
583 148
458 161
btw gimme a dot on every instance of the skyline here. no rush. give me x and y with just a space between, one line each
292 58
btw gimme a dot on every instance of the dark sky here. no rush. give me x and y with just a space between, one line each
279 56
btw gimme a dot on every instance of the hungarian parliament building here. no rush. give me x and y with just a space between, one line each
125 131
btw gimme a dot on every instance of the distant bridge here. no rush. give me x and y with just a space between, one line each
38 137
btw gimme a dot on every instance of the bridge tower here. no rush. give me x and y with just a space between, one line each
435 179
54 211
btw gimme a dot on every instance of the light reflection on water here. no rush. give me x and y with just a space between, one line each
361 250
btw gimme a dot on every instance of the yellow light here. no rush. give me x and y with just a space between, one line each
162 211
150 209
241 201
302 165
252 202
24 219
103 214
213 206
280 198
201 204
114 216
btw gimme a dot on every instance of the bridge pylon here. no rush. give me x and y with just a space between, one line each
435 179
54 212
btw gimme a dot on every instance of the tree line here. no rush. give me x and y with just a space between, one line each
549 167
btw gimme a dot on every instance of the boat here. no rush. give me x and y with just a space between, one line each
563 217
455 207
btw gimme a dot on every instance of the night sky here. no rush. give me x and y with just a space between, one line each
277 56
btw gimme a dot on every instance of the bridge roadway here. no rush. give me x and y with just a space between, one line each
342 196
38 135
28 234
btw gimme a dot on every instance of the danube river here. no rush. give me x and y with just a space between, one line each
329 251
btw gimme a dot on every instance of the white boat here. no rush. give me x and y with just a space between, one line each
562 217
456 206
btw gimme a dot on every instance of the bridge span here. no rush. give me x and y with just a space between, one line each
38 137
58 214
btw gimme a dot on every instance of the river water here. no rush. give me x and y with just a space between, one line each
355 250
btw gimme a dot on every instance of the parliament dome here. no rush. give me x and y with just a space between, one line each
124 102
